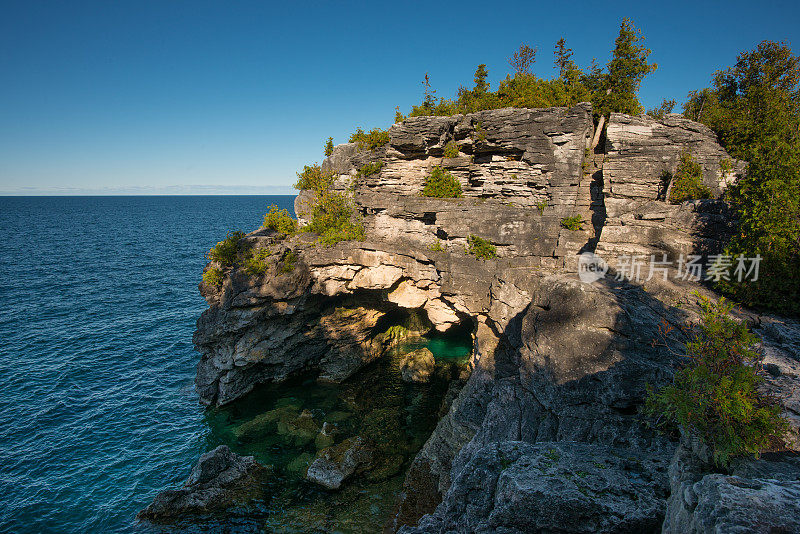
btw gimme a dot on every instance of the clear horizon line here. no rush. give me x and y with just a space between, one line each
172 190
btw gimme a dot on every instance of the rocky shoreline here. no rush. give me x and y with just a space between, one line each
541 428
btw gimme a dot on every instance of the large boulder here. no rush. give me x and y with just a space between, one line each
755 496
221 479
728 504
336 464
517 487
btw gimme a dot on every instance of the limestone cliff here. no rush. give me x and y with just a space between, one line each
555 360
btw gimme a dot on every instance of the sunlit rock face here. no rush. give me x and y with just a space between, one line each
554 359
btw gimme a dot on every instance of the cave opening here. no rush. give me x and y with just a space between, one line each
378 414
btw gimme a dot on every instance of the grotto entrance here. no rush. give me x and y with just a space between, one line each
380 416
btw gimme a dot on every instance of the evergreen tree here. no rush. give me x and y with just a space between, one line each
618 87
755 109
563 62
329 147
481 85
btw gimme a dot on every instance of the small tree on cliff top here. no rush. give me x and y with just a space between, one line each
628 66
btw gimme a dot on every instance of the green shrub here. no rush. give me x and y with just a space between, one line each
398 116
213 277
436 247
481 248
572 223
312 178
725 165
255 261
441 184
541 206
288 261
663 110
329 147
451 149
480 133
687 183
348 231
331 218
372 140
330 212
370 168
280 220
715 396
226 250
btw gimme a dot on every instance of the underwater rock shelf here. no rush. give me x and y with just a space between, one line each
340 450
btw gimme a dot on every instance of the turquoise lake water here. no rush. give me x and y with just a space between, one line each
99 411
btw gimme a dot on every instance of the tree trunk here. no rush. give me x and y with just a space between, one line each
598 131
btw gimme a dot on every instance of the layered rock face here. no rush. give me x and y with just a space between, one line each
522 172
555 360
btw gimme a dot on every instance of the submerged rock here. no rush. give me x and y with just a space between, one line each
220 480
299 431
265 423
326 436
300 464
336 464
417 366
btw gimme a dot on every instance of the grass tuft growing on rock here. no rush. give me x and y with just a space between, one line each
441 184
715 395
436 246
481 248
572 223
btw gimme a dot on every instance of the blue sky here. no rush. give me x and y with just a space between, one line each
187 96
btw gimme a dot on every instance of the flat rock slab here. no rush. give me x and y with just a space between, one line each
516 487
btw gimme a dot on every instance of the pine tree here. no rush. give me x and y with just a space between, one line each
481 85
329 147
564 63
625 72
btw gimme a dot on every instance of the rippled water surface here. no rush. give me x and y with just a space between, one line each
99 300
98 412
